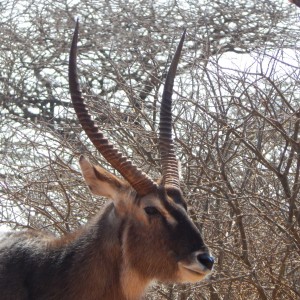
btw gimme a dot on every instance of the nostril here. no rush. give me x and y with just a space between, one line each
206 260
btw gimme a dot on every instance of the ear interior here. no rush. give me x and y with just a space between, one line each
102 182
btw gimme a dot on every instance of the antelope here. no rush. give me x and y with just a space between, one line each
143 235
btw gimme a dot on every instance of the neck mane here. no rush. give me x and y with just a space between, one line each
94 259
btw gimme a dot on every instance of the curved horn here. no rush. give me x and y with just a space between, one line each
166 145
137 179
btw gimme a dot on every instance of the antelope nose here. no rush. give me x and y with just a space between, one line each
206 260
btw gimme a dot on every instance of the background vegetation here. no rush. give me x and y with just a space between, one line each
236 112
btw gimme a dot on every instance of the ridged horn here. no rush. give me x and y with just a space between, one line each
166 146
137 179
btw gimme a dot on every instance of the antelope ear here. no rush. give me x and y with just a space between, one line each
103 183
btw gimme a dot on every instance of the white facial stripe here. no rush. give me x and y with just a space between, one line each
171 220
153 201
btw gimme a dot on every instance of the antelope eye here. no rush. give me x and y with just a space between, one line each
151 211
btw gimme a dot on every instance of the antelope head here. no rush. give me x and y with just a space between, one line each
158 239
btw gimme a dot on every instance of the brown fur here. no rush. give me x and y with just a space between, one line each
144 235
114 257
